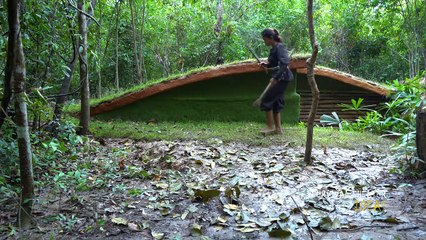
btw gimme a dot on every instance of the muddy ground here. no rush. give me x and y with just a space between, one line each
194 190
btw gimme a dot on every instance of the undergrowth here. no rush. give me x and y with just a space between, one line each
395 119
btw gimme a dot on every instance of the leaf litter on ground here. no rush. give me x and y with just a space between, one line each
166 189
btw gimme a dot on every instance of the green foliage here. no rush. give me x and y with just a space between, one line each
356 105
372 39
334 119
38 106
373 121
47 149
8 154
66 222
395 118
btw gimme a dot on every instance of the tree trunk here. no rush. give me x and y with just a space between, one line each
10 62
421 133
84 72
98 50
66 81
135 48
141 57
218 32
424 50
21 120
108 39
312 84
91 12
117 80
421 119
424 57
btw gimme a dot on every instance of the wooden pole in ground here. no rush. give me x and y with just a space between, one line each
312 83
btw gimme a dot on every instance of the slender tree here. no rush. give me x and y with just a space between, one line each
98 50
117 18
66 80
10 61
421 132
141 56
218 32
84 71
21 117
135 48
312 83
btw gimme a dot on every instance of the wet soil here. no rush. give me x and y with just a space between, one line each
196 190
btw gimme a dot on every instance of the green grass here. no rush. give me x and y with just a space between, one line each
93 102
72 108
244 132
207 101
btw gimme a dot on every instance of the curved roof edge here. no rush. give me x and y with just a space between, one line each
219 71
349 79
298 64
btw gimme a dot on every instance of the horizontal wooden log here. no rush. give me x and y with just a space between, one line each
348 79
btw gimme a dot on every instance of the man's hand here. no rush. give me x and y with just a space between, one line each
273 81
264 65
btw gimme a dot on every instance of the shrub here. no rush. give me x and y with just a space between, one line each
395 118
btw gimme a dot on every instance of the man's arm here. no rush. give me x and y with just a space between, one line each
283 61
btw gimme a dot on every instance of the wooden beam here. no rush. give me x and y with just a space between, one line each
348 79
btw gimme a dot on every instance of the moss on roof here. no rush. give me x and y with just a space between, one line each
72 108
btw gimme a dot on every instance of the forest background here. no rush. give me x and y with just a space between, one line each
120 44
140 40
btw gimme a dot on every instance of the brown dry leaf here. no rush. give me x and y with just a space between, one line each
248 229
231 206
206 195
281 233
222 219
196 229
121 164
162 185
134 227
119 221
157 235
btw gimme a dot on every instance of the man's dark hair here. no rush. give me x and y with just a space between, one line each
272 33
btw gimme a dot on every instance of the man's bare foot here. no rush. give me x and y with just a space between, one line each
267 131
278 131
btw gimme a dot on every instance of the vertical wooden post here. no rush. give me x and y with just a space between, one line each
314 88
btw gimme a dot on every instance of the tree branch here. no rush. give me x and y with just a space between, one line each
84 13
305 219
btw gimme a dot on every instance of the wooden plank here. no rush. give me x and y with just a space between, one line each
348 79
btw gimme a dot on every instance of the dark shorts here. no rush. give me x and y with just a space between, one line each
273 100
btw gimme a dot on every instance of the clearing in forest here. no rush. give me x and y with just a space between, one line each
210 189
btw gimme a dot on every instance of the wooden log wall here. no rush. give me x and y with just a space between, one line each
329 103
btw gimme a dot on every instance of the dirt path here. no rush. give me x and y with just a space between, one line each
192 190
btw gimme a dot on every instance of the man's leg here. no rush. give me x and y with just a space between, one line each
277 122
278 107
269 123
